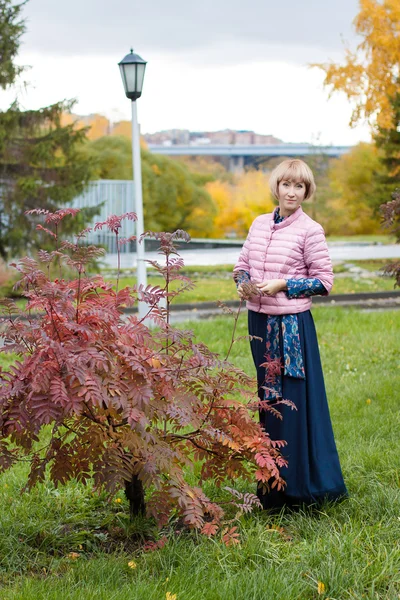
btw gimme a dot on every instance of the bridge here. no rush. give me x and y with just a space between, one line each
241 155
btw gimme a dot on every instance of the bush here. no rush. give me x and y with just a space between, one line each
127 404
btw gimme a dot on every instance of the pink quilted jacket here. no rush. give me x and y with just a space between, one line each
292 249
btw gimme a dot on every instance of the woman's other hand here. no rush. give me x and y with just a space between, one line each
270 287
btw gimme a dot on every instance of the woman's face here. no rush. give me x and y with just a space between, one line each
291 195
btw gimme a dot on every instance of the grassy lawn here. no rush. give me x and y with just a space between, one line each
370 239
212 286
350 285
352 548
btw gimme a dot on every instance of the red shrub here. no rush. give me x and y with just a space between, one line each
124 400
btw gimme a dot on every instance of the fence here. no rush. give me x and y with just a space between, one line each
115 197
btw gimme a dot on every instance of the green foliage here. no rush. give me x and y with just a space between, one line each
111 156
172 197
11 30
40 165
388 141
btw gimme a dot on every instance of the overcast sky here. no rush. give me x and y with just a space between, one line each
212 64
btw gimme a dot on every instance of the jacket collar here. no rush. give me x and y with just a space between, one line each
287 220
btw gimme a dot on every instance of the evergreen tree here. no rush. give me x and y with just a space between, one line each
388 141
41 165
11 29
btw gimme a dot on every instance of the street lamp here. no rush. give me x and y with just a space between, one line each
132 69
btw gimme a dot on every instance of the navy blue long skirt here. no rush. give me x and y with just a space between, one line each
313 473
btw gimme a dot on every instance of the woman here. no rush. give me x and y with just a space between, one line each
285 260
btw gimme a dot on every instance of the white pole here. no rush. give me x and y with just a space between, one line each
137 179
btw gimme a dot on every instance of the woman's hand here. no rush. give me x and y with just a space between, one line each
270 287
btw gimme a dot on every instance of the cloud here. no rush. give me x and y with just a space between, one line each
224 30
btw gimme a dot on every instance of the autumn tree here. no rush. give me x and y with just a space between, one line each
40 162
369 75
240 202
370 79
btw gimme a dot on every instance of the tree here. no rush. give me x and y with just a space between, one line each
40 165
11 30
172 198
40 160
369 76
111 156
240 202
388 141
352 182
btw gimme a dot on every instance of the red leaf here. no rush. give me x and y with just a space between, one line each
230 537
210 529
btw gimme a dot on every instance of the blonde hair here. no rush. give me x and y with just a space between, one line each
293 170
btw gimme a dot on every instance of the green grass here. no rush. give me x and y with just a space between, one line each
350 285
352 548
221 286
374 265
371 239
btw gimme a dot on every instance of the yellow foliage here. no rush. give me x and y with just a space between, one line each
239 203
221 194
369 76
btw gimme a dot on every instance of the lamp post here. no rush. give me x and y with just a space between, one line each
132 69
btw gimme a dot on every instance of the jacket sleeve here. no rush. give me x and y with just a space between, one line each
243 261
317 259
